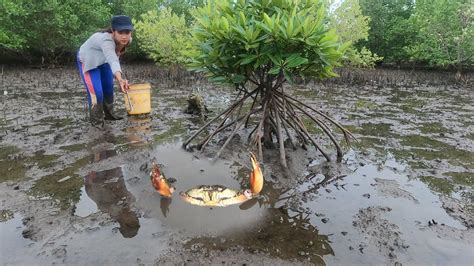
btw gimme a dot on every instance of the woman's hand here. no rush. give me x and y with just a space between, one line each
123 83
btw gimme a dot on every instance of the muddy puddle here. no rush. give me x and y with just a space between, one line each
74 194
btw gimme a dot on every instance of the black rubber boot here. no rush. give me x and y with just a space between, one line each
109 112
97 115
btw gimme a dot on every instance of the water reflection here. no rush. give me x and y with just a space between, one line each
248 204
282 233
284 229
139 130
165 205
102 155
14 245
107 188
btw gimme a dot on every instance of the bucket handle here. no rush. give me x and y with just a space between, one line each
129 102
126 93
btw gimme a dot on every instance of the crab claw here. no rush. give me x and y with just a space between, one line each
160 183
256 176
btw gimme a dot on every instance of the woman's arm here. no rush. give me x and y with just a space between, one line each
108 48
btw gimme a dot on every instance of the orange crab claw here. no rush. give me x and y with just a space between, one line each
256 176
160 183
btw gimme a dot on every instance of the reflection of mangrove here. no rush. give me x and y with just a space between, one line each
285 232
279 235
330 171
138 130
107 188
271 197
327 180
248 204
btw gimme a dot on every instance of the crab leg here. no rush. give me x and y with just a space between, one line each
240 198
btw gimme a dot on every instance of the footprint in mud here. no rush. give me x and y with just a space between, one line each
389 187
31 230
5 215
59 253
383 234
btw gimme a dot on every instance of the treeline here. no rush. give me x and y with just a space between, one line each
434 33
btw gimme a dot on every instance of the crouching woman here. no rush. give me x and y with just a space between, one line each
98 64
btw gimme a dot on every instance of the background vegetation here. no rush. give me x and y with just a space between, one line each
435 33
258 45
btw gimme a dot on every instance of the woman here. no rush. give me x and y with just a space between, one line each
98 64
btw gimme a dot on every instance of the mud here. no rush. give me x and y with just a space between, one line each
74 194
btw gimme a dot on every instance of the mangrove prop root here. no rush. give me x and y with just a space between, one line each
280 140
230 109
303 132
280 116
346 132
219 129
242 121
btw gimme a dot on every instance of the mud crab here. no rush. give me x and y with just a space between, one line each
212 195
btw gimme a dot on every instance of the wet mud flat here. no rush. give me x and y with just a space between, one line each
74 194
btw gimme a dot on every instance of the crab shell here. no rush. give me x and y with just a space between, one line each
215 196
